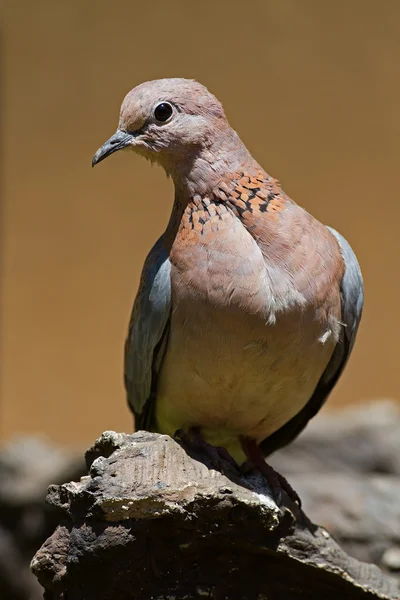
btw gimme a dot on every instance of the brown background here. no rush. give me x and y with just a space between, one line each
312 87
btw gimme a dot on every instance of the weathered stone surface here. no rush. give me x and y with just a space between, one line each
346 469
27 467
149 521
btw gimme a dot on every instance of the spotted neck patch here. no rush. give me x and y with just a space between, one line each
204 215
251 195
245 196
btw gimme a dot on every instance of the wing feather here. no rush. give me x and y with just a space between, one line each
148 330
352 297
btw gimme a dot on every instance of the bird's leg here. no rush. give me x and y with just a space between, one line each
217 455
275 480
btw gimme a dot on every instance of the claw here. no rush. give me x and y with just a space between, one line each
276 481
217 455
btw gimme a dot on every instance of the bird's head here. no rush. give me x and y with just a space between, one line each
166 120
182 126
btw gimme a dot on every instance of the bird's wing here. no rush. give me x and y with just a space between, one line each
147 335
352 299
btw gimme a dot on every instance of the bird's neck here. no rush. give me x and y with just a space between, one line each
231 178
197 174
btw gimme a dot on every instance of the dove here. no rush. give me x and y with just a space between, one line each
248 307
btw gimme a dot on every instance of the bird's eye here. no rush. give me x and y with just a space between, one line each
163 111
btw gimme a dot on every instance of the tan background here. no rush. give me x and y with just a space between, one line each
313 87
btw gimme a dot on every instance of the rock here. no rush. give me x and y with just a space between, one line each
357 439
27 467
346 469
150 521
391 558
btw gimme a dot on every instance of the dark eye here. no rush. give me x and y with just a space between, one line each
163 111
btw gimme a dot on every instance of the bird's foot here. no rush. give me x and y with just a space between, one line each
217 456
276 481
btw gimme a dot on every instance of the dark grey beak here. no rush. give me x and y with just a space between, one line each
118 141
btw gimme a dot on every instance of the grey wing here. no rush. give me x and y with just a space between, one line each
147 334
352 296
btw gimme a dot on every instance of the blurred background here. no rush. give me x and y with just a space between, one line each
312 88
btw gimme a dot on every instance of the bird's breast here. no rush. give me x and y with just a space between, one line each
217 262
245 349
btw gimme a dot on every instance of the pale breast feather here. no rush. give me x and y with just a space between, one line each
352 299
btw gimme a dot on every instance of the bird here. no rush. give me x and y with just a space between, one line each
248 307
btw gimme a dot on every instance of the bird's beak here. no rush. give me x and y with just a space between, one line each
118 141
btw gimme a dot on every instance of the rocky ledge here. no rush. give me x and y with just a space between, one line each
151 522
